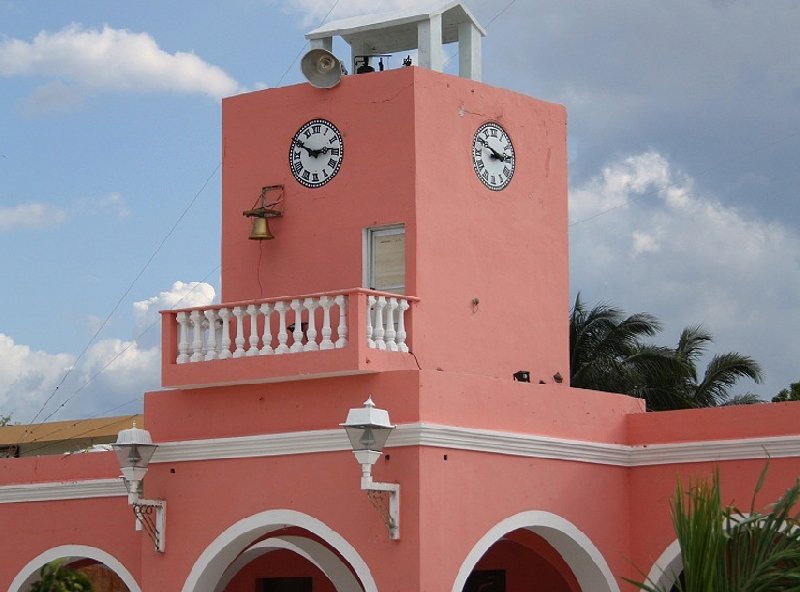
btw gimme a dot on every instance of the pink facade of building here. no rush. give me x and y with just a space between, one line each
531 486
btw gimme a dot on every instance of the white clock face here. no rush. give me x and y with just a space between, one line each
316 153
493 156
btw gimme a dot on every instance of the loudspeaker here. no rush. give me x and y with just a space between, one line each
321 68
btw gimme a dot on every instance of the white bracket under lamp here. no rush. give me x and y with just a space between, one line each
368 428
134 449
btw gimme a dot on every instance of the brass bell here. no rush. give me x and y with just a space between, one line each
260 230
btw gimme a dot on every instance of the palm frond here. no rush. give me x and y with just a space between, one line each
722 372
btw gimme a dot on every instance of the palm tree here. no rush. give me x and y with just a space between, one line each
608 353
726 550
722 372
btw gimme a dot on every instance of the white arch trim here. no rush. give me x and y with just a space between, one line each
30 573
577 550
322 557
668 566
210 566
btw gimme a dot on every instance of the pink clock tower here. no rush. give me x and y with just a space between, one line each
394 261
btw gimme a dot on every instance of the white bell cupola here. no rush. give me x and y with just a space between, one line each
424 30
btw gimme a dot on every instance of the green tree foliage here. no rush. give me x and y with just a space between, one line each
56 577
4 420
788 394
608 352
726 550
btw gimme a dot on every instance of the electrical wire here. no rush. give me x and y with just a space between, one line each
123 350
302 49
124 295
130 287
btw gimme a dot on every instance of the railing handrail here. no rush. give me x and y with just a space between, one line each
235 303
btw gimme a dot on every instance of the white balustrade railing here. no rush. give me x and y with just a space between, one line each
287 326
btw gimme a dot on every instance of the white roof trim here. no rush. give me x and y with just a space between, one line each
453 13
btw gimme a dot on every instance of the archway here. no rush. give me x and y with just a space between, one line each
587 564
668 566
226 554
30 573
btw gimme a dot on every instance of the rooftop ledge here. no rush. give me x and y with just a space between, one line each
339 333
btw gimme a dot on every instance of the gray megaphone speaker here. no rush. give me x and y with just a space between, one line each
321 68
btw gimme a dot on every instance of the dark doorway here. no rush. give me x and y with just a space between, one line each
486 580
284 585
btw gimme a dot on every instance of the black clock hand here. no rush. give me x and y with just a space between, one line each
494 153
306 148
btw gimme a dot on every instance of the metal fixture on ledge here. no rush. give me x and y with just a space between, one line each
134 449
522 376
368 428
262 211
321 68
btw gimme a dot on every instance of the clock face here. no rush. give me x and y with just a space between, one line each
316 153
493 156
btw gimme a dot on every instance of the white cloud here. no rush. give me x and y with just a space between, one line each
55 97
110 378
180 295
110 60
27 377
123 366
31 215
644 238
113 203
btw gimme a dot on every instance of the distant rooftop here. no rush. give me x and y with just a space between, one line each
62 436
405 30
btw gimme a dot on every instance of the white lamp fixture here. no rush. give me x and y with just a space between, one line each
134 449
368 428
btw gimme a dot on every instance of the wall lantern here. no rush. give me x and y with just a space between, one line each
134 449
262 211
368 428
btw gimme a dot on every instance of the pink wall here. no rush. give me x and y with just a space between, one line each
279 564
530 563
408 136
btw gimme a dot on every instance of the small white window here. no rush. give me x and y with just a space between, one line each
385 259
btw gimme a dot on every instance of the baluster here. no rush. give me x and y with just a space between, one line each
218 335
266 338
390 332
197 336
183 338
401 326
310 305
341 301
211 345
238 312
225 342
252 310
326 302
282 348
378 332
297 334
370 308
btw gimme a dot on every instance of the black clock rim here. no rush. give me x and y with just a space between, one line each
475 165
338 133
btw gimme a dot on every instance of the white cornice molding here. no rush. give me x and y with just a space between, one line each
62 490
496 442
425 434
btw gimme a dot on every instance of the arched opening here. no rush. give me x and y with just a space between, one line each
517 559
668 567
279 551
534 547
105 572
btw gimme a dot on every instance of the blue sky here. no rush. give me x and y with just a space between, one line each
684 143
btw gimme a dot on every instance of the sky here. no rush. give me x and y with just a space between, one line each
684 156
